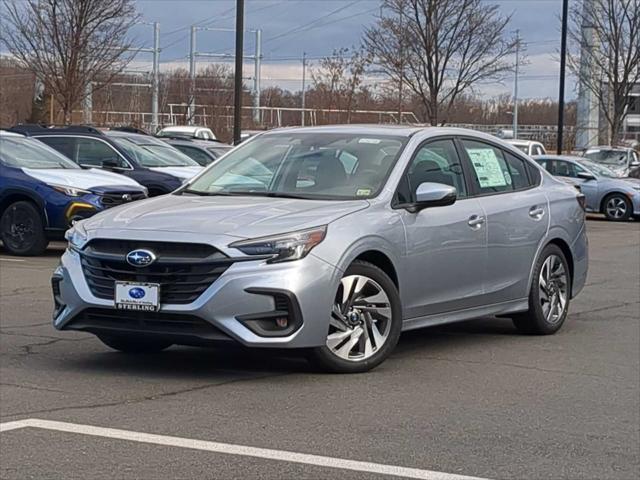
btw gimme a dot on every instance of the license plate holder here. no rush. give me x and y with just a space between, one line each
137 296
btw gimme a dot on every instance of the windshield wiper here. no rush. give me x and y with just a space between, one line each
277 195
206 194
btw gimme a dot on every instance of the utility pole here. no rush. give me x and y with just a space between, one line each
563 67
155 80
256 78
515 87
191 109
304 86
237 93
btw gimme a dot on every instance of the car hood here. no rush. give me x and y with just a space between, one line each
79 178
183 173
242 217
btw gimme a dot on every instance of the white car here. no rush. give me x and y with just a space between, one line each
186 131
527 146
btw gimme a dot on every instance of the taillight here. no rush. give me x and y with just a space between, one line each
582 200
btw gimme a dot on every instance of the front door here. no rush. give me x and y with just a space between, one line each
446 246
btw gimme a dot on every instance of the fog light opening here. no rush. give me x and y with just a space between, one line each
282 322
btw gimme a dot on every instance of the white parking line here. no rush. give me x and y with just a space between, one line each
11 259
232 449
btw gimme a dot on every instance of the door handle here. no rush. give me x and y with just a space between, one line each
476 221
536 212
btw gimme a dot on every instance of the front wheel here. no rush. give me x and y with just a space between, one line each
133 344
617 208
549 296
365 322
21 229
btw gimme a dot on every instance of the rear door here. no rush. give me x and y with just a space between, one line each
517 214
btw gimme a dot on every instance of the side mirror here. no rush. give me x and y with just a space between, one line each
110 163
433 195
586 176
634 164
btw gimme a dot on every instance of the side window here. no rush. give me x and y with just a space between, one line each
200 157
434 162
539 150
518 171
564 169
95 152
490 168
349 161
65 145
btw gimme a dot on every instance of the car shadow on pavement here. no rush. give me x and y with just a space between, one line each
192 362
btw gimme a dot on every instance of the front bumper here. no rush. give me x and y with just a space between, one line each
226 310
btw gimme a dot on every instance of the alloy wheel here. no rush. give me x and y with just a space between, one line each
616 207
553 289
18 228
360 319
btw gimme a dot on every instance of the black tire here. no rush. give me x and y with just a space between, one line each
134 344
628 207
22 230
534 321
325 360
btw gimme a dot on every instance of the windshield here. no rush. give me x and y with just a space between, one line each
23 152
598 169
155 155
613 158
307 165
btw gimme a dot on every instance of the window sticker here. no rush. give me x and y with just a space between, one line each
374 141
487 167
363 192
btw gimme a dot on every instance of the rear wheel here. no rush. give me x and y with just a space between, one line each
365 322
549 295
22 230
134 345
617 208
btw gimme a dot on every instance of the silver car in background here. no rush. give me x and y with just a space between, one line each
332 240
617 198
621 160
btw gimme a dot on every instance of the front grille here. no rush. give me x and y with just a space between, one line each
109 200
183 270
105 319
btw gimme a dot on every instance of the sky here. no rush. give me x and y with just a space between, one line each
317 27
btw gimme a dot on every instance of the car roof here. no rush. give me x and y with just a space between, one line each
137 138
570 158
194 142
5 133
515 141
184 128
607 147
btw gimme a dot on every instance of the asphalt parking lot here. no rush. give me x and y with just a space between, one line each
473 399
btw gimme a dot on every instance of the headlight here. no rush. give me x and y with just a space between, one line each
285 247
76 236
70 191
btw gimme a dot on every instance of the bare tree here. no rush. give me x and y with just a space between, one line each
611 65
70 44
339 78
440 49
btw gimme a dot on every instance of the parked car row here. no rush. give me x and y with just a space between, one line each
51 177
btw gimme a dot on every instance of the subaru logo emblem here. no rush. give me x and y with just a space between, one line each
136 293
140 258
126 197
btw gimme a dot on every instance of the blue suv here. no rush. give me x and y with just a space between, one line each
147 160
42 193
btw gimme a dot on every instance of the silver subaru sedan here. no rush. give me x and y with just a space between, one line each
331 240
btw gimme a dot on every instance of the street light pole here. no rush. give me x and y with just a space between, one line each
515 87
304 85
237 93
563 67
